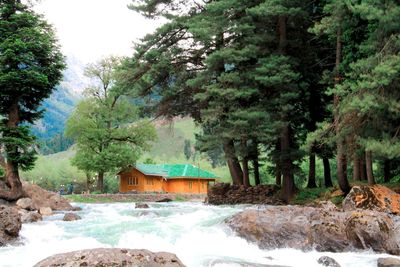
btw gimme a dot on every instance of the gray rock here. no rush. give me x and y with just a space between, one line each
30 217
141 206
46 211
328 262
25 203
388 262
10 224
76 208
71 217
164 200
308 228
112 257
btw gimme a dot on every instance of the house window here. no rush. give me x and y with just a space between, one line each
190 185
149 181
133 181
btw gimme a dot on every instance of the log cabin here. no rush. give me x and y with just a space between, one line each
170 178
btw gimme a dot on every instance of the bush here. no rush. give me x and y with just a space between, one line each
111 185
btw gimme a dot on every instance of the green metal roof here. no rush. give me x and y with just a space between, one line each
174 171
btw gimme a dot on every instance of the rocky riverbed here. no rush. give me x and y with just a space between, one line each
368 221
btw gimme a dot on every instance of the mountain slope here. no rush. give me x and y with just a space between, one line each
57 110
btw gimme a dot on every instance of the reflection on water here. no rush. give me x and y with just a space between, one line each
193 231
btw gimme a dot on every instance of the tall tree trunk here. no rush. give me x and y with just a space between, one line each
100 182
363 168
88 182
278 175
370 173
386 171
233 162
327 172
341 155
278 172
256 165
11 168
356 167
311 172
246 179
245 162
288 181
286 164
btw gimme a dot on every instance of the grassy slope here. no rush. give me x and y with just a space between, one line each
54 170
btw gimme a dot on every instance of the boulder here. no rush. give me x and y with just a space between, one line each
71 217
372 230
328 262
307 228
25 203
44 198
166 199
76 208
30 217
327 231
10 224
46 211
388 262
141 206
274 227
112 257
376 197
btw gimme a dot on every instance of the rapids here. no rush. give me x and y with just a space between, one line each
193 231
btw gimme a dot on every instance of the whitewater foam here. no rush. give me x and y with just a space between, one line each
193 231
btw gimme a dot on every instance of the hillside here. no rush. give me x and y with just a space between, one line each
50 128
54 170
57 110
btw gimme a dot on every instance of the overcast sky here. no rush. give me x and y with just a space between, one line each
90 29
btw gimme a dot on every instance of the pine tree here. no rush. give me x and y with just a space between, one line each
31 65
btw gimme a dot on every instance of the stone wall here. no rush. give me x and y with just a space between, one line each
227 194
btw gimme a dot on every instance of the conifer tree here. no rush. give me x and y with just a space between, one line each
31 65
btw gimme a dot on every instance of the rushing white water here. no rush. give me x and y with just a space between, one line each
193 231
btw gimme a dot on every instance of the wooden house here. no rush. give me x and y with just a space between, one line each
171 178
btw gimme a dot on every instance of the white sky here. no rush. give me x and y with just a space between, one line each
91 29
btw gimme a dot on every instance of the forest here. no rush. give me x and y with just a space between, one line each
279 81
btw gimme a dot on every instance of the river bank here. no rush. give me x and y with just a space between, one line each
150 197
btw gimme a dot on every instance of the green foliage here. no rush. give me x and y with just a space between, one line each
308 195
105 126
31 65
187 149
19 143
149 161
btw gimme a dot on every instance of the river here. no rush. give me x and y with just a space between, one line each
193 231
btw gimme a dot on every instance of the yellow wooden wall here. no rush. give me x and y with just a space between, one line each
182 185
159 184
